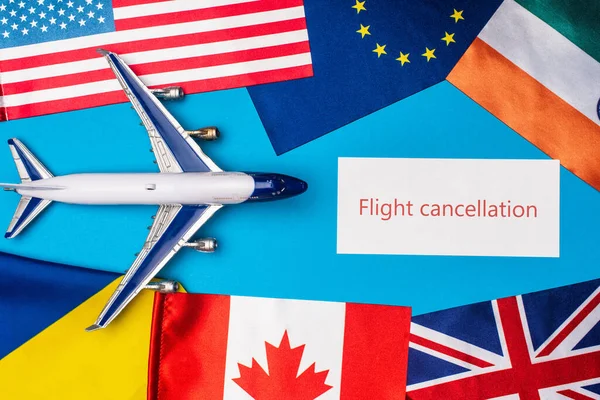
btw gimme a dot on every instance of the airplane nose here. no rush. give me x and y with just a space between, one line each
295 186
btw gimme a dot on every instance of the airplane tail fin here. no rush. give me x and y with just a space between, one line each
30 169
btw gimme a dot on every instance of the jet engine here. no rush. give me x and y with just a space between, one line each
206 245
168 93
208 133
163 286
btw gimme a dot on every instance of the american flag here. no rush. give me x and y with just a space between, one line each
543 345
48 59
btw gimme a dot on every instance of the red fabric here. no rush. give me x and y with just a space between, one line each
185 330
189 341
375 352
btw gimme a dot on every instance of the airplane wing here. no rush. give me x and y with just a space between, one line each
173 226
174 149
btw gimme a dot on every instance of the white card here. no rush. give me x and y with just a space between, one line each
448 207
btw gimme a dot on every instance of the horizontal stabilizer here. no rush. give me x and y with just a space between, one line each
27 209
16 186
30 170
92 328
28 166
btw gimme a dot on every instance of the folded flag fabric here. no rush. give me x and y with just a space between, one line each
231 347
48 59
367 55
536 67
543 345
35 294
46 353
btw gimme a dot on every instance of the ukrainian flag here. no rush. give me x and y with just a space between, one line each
45 352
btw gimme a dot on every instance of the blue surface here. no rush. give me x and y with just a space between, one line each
288 248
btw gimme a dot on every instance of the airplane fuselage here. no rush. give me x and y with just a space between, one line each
165 188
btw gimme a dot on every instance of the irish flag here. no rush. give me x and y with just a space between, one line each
232 347
536 67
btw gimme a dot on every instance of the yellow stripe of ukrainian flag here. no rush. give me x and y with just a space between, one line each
65 362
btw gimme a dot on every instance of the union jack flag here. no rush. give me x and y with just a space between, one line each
542 345
48 61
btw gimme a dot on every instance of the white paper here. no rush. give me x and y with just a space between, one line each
485 207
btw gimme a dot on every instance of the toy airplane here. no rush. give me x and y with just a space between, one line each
189 189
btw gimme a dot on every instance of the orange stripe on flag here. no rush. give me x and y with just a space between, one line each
188 347
531 109
375 352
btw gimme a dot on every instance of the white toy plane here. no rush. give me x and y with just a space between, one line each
189 189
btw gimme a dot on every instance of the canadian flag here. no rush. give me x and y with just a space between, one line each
231 347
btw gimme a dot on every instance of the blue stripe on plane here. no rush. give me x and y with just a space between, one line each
183 153
32 171
185 218
31 206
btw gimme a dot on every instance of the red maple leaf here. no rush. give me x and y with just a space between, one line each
283 381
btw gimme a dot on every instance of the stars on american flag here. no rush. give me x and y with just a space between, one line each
48 17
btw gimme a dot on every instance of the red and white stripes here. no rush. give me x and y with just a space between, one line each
200 45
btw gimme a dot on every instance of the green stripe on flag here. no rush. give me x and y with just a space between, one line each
577 20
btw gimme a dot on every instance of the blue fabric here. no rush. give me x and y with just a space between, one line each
591 339
593 388
474 323
350 80
557 305
424 367
34 294
29 21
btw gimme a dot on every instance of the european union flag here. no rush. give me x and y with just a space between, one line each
367 55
